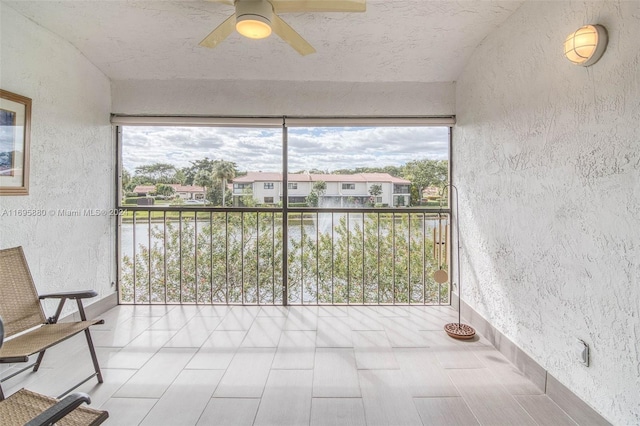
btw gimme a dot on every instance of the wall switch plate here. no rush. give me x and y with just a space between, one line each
582 350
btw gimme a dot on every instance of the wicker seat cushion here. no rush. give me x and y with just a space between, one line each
42 338
24 405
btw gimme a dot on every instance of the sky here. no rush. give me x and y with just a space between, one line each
260 149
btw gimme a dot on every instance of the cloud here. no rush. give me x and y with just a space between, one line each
327 148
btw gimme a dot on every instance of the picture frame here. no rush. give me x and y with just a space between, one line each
15 134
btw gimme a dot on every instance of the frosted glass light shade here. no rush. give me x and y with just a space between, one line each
253 18
253 26
586 45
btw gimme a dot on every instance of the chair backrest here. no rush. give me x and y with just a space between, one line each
20 307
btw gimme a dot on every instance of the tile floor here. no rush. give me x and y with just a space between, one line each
234 365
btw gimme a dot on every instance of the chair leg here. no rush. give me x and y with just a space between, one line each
94 358
36 365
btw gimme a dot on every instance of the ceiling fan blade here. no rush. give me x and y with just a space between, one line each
283 6
223 31
290 35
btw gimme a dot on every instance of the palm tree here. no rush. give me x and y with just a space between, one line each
224 170
203 179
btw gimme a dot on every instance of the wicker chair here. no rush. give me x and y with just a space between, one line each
22 313
32 409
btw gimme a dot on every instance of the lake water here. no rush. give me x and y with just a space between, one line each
324 225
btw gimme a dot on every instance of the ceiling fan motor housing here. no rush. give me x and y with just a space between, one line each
253 10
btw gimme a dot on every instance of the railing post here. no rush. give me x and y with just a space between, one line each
285 214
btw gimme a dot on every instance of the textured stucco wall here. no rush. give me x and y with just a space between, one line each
262 98
547 159
72 160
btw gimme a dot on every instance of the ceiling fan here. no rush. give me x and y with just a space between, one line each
257 18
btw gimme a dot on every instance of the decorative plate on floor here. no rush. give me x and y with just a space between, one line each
459 331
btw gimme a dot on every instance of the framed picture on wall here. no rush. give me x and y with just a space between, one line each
15 128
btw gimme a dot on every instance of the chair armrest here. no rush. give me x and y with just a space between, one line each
59 410
76 295
82 294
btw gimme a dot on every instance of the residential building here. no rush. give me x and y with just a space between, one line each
341 190
186 192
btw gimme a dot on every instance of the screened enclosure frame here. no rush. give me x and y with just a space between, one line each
283 123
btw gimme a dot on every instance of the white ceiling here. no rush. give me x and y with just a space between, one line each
393 41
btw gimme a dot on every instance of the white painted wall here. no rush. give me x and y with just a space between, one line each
547 161
277 98
72 160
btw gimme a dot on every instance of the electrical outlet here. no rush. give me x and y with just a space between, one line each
582 351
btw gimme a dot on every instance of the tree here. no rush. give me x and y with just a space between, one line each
157 172
204 179
425 173
214 194
224 171
392 170
415 194
180 177
165 190
318 172
127 182
318 190
190 172
247 199
374 191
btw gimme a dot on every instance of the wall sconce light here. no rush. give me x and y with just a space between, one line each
586 45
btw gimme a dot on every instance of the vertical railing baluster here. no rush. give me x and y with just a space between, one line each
348 263
242 257
135 259
393 255
409 260
180 252
424 258
211 257
363 258
226 257
332 258
378 258
317 257
301 258
273 258
164 251
258 258
149 254
195 249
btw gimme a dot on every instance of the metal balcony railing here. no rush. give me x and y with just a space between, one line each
236 256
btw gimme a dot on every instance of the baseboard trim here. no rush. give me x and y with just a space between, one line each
580 411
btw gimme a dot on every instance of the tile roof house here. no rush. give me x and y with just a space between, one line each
186 192
341 190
